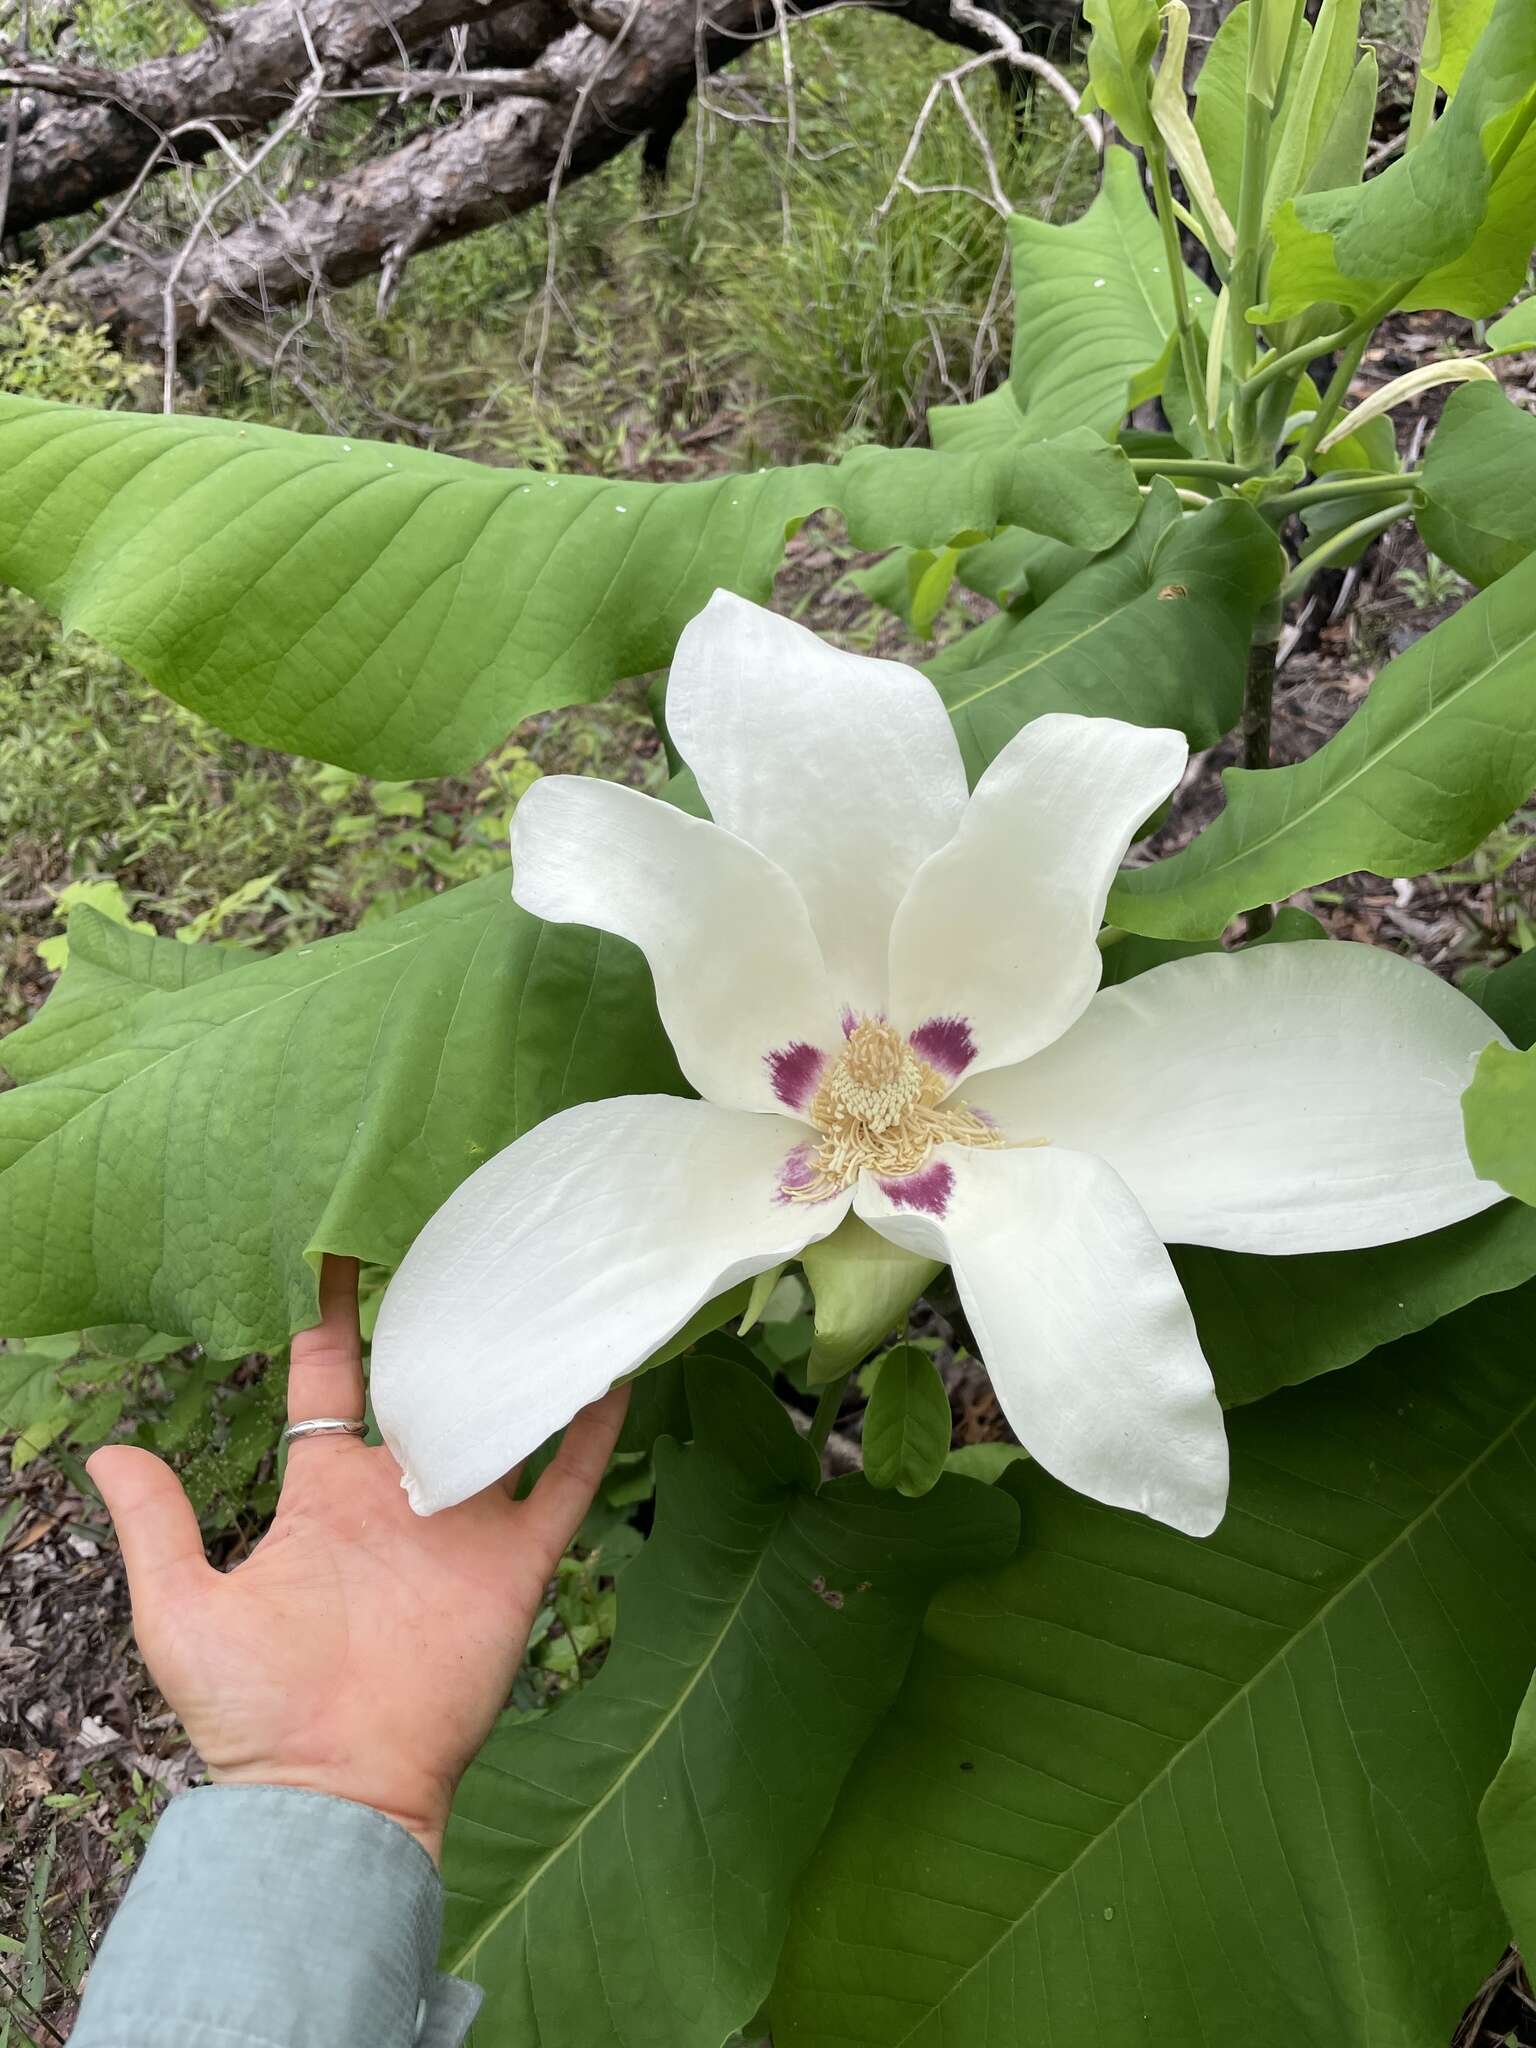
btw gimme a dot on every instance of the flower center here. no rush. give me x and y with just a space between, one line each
880 1108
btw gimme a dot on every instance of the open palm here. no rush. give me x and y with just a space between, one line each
360 1650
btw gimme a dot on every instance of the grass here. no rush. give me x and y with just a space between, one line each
102 779
758 298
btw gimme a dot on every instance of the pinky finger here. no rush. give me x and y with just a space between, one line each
554 1510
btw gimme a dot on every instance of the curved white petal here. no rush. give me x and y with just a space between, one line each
1081 1322
739 976
998 930
563 1264
843 769
1290 1098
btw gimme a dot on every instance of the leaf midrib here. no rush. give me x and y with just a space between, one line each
1238 1698
1049 654
1328 795
663 1726
211 1030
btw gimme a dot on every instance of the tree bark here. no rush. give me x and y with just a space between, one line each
76 153
1205 17
607 92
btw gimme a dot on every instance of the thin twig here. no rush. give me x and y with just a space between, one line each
1013 51
529 83
13 124
61 81
297 113
562 164
106 229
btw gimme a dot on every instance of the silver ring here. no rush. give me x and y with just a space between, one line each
323 1425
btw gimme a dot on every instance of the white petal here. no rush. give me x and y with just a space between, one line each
562 1265
1081 1322
739 976
844 769
998 931
1289 1098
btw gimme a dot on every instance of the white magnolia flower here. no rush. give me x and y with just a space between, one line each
886 993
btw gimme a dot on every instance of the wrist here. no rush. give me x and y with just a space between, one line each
423 1819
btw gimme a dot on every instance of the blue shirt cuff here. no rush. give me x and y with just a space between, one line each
265 1917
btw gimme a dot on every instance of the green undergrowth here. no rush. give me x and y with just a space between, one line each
756 307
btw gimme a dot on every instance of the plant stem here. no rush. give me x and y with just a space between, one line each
1337 544
1257 722
1177 465
1339 383
1405 480
1243 342
1298 358
827 1411
1422 113
1259 692
1189 354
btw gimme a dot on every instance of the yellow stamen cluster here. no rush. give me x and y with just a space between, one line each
882 1108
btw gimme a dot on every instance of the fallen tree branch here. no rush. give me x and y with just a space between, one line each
588 97
95 147
444 183
527 83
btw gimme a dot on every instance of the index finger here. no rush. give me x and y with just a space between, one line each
561 1495
325 1370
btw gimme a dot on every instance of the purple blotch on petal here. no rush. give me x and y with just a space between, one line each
945 1043
850 1021
794 1071
929 1189
797 1172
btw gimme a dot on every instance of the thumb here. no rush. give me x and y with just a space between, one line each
155 1522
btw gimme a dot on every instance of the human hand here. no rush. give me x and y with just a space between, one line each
361 1649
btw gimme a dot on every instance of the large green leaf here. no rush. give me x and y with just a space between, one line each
1015 569
1156 632
1500 1113
1494 265
1093 309
619 1874
1442 749
399 611
1271 1323
1508 1817
1123 36
1440 214
1141 1789
1450 36
185 1155
1481 465
1508 994
1472 552
1221 90
1322 67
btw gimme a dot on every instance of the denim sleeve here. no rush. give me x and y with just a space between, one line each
268 1918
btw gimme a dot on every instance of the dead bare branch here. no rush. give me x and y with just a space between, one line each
528 83
95 147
